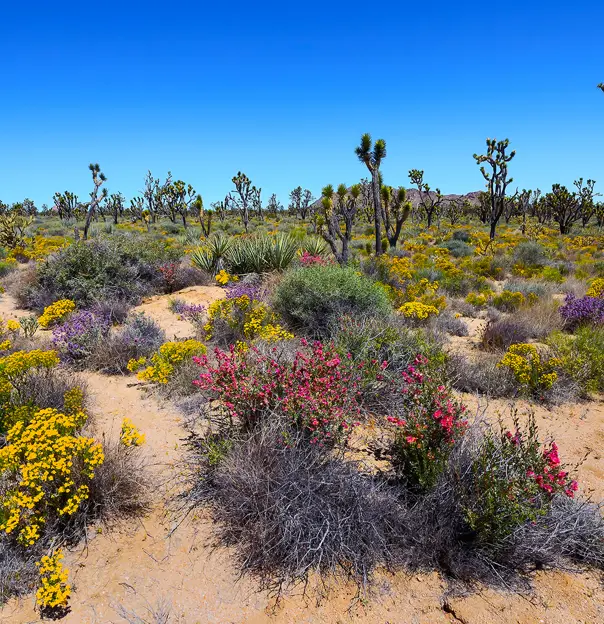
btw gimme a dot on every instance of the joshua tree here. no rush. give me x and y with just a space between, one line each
98 178
220 208
430 201
339 209
115 206
372 156
152 196
395 210
566 207
66 204
184 197
601 86
300 202
274 207
497 179
246 197
205 216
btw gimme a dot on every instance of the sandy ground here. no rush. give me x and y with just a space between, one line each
144 564
157 308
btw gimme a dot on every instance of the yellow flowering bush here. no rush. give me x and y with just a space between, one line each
533 372
425 291
54 591
55 312
596 288
508 301
246 318
223 278
478 300
130 435
166 361
417 310
43 454
13 369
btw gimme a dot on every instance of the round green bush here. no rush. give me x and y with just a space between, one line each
310 299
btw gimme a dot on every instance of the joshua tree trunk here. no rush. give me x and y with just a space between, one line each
377 211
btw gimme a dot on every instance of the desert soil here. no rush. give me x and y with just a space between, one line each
144 564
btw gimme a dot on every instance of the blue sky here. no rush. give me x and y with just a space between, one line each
284 91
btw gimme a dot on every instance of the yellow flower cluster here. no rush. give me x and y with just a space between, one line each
165 362
130 435
43 453
56 311
251 318
532 371
508 300
478 300
54 591
13 326
424 291
393 267
223 278
417 310
596 288
13 368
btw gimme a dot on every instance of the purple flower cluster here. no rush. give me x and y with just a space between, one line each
239 289
189 311
583 311
78 336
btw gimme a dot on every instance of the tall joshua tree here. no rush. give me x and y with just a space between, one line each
371 155
339 208
98 178
246 197
395 210
497 179
429 201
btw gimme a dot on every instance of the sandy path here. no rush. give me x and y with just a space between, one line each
157 308
140 565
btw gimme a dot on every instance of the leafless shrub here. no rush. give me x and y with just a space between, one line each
449 324
463 307
47 388
161 613
295 508
139 336
480 375
500 334
120 488
18 571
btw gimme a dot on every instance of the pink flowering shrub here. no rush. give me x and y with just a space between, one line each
514 480
318 392
307 259
430 422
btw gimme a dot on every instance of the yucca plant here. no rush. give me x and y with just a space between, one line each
214 255
315 246
282 251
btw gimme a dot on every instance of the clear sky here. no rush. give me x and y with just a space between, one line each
283 92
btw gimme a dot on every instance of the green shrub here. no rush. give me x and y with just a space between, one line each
311 298
123 268
530 254
581 356
513 480
508 301
458 248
